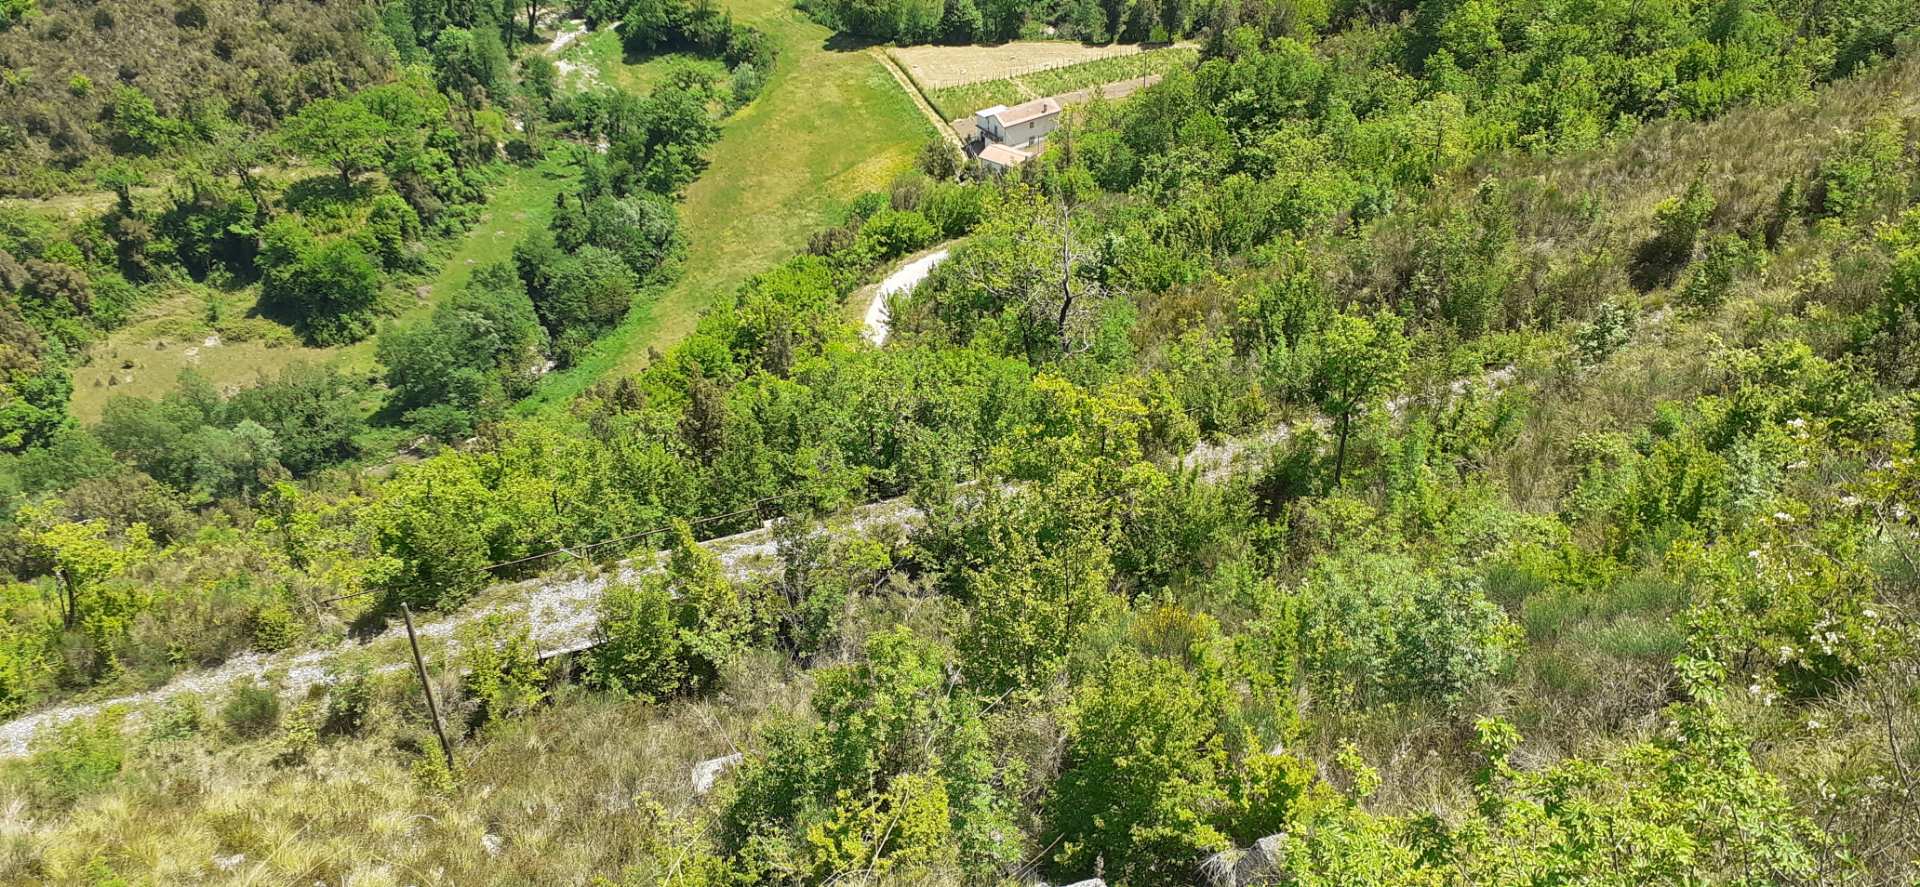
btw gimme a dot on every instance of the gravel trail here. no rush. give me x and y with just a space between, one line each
900 281
562 607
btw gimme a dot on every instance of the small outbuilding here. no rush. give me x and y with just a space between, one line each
998 158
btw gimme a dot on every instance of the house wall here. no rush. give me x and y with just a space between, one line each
989 127
1030 131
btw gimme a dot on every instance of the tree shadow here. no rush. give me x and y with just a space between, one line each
373 623
1657 262
843 42
317 193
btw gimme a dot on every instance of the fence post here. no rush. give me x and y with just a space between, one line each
426 687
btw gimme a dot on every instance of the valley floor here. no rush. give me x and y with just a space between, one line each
831 125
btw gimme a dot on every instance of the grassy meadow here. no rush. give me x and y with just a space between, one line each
218 333
830 125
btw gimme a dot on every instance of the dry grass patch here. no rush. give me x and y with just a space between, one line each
1119 75
938 67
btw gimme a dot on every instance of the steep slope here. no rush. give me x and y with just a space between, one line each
87 80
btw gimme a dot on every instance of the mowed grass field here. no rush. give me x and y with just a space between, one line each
830 125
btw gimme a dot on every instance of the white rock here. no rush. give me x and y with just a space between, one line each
1260 864
1264 860
229 863
492 843
707 772
1090 882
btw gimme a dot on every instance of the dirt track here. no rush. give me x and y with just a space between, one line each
562 608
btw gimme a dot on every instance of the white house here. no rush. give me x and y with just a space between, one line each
1011 136
1021 126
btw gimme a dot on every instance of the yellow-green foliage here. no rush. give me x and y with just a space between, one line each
503 676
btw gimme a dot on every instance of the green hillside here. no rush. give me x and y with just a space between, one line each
1415 444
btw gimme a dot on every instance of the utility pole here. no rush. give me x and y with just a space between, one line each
426 687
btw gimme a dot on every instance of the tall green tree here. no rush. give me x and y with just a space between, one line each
340 133
1361 362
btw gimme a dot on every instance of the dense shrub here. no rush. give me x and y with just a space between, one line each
251 711
477 352
503 675
75 759
329 290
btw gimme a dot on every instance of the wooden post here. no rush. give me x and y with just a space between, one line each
420 666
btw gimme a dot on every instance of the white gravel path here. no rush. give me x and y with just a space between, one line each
563 38
562 608
901 281
566 68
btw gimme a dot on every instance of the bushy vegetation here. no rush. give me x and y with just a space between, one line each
909 22
89 83
1469 447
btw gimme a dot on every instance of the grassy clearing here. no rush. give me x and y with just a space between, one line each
830 125
954 102
601 56
523 200
198 328
215 333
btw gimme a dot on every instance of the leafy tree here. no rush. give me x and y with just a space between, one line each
479 349
892 232
1864 175
638 650
714 622
1888 334
818 579
659 150
1139 782
1375 627
330 289
591 291
312 412
471 63
1361 360
139 126
1045 573
670 632
431 526
33 390
961 23
88 564
644 229
890 736
646 25
340 133
1689 804
504 677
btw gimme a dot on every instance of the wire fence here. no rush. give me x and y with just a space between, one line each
579 551
1017 71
